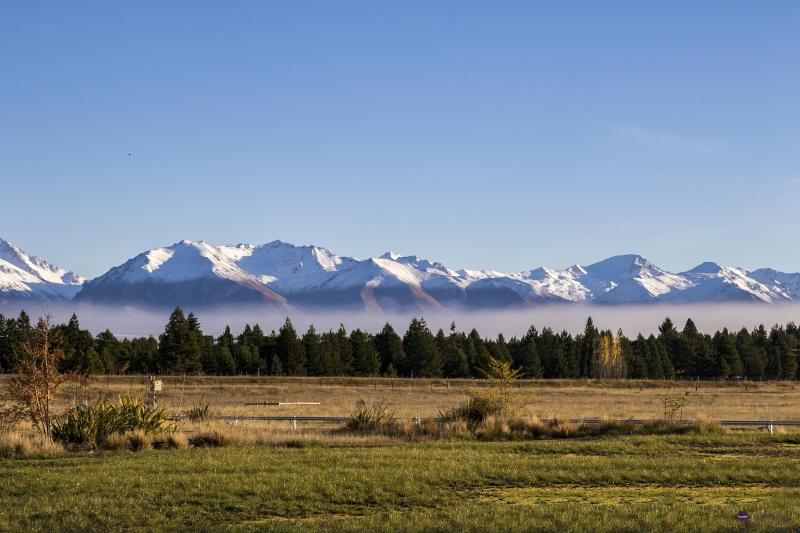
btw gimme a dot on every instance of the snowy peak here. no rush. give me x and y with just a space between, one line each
622 267
708 267
24 276
282 275
191 273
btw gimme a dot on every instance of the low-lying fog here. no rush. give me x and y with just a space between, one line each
129 322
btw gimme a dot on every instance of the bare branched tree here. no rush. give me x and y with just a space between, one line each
33 388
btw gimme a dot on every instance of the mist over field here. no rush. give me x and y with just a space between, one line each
132 322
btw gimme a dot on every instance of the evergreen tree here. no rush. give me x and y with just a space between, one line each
499 350
668 337
754 358
725 349
478 355
553 357
390 349
315 362
76 343
365 359
330 356
454 360
92 362
526 356
419 346
226 339
275 366
178 349
637 365
345 352
245 358
108 348
588 346
290 351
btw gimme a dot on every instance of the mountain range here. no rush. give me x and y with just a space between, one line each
282 276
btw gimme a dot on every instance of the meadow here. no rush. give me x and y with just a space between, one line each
693 482
265 476
713 400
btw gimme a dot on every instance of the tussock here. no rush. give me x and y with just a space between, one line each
16 444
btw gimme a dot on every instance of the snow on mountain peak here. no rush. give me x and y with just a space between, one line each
27 276
198 271
708 267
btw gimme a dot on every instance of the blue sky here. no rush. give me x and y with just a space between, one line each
485 135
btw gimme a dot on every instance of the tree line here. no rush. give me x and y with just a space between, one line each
673 353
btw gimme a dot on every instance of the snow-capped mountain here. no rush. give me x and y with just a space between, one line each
281 276
188 273
27 277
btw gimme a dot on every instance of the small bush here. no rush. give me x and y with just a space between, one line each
369 417
496 402
177 441
93 425
117 441
14 444
201 413
139 440
214 439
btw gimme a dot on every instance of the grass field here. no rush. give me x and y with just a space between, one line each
426 398
647 483
324 478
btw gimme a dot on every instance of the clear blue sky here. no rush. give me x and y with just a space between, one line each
485 135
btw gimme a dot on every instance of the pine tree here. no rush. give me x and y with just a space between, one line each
637 365
345 352
668 337
178 349
454 360
478 355
725 348
226 339
754 359
75 342
420 348
365 359
552 354
290 350
275 366
108 348
329 348
587 349
390 349
527 359
315 362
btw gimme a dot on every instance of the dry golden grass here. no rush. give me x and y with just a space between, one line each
225 433
21 444
426 398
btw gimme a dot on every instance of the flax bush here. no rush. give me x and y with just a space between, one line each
92 425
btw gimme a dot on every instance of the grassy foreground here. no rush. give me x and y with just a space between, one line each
634 483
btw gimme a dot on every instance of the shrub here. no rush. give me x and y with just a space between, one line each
139 440
14 444
93 425
369 417
215 438
201 413
177 440
496 402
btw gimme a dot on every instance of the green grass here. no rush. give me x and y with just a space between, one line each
634 483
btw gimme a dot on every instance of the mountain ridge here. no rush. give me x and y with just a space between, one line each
280 275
